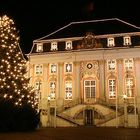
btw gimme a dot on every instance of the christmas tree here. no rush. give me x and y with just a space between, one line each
16 96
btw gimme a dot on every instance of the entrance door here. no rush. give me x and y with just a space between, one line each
89 89
88 117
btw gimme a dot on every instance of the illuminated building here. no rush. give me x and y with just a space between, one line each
87 73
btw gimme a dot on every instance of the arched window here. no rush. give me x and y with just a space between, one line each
129 86
52 90
37 94
112 88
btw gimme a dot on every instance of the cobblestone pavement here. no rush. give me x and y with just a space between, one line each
80 133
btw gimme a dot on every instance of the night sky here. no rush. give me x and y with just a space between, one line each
37 18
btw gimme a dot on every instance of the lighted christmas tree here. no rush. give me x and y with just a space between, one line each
15 92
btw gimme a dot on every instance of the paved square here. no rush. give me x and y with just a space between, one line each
79 133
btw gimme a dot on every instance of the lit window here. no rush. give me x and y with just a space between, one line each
68 45
127 40
68 67
68 90
110 42
37 85
37 94
112 88
90 88
53 68
52 90
38 69
39 47
54 46
128 64
129 83
111 65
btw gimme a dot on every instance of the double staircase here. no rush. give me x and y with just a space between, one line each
67 111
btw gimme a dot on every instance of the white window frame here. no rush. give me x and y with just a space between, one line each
68 90
129 87
126 40
68 45
52 90
39 69
111 65
128 64
54 46
112 88
38 85
89 88
38 88
68 66
52 71
110 42
39 47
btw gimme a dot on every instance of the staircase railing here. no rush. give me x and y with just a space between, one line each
69 104
68 118
110 116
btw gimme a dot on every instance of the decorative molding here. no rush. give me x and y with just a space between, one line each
89 68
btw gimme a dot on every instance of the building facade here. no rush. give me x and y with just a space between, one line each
87 73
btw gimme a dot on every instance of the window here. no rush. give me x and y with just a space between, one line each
38 86
38 69
68 45
53 68
129 83
68 90
54 46
90 88
111 65
52 90
127 40
110 42
112 88
128 63
68 67
37 95
39 47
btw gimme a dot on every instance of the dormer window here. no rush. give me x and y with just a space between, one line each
54 46
39 47
68 45
110 42
126 40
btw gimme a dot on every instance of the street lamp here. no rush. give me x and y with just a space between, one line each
125 110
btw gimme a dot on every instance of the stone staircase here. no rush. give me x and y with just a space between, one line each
68 111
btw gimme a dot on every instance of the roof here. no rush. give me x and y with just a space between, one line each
98 27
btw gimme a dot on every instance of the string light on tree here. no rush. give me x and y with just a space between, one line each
14 86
